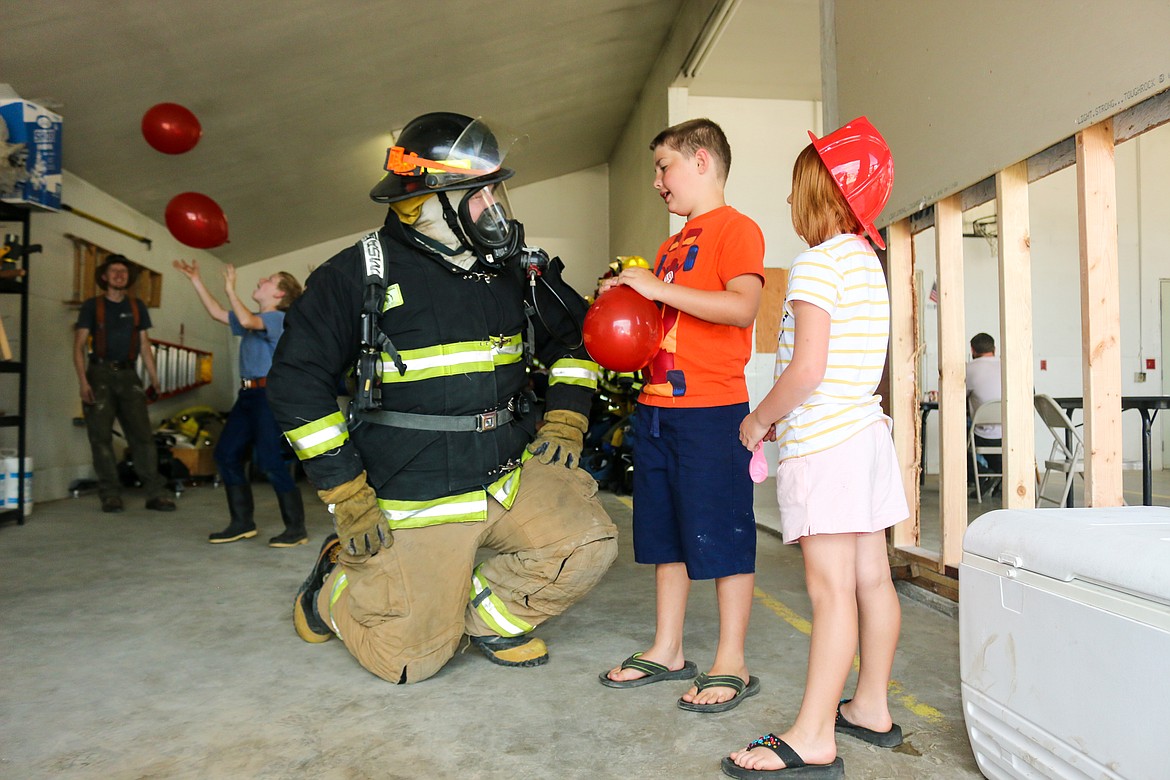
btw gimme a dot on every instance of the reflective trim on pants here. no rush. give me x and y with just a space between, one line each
339 586
492 610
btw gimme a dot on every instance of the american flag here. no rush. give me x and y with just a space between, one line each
934 292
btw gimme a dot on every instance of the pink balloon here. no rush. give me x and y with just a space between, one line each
622 329
197 220
171 128
758 467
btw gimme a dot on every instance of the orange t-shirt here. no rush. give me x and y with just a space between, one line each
701 363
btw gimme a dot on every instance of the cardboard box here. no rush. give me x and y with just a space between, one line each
38 131
198 460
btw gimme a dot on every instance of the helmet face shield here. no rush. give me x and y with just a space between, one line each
476 152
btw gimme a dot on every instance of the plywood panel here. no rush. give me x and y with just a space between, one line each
88 257
771 310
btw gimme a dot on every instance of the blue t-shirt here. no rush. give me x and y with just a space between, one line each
257 346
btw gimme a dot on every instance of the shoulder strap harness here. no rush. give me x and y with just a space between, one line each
99 338
367 396
374 339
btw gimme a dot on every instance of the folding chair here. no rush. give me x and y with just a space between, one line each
990 413
1067 456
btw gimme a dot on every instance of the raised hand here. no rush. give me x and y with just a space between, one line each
189 270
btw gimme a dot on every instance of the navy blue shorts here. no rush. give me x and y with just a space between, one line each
692 493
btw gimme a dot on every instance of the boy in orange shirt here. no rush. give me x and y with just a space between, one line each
693 516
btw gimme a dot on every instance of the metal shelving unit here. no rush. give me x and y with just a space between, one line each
18 365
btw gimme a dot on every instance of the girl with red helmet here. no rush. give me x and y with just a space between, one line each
837 481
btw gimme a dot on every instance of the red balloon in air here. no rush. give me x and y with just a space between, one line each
622 330
197 220
171 128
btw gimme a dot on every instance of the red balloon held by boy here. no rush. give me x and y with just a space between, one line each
197 220
171 128
622 329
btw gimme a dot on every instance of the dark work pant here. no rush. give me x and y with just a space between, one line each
994 462
119 395
250 423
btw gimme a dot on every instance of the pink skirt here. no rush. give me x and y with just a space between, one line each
853 488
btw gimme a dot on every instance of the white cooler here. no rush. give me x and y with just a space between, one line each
1064 642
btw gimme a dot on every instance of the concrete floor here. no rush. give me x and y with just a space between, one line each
131 648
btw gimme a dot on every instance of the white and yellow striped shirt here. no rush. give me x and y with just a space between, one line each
843 277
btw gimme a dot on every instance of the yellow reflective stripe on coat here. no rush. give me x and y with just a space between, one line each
492 609
464 508
505 488
567 371
470 507
462 357
339 586
319 436
507 349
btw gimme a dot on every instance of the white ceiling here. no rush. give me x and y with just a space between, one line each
298 98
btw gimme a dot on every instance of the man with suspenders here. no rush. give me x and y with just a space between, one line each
110 387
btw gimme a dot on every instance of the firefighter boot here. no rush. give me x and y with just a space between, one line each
308 624
512 650
239 498
292 511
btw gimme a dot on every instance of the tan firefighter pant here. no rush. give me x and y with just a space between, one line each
403 611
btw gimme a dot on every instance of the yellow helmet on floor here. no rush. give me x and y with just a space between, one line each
632 261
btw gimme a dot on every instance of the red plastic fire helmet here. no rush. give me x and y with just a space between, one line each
860 161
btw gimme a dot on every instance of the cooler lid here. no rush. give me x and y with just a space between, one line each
1122 548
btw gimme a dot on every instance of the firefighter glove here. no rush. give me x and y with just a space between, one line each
560 439
361 527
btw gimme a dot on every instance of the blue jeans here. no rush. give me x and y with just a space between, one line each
250 423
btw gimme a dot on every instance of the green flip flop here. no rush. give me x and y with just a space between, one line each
653 671
742 691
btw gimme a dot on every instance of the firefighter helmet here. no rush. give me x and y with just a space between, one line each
441 152
860 161
438 152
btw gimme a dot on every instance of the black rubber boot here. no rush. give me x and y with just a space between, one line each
292 511
239 498
308 624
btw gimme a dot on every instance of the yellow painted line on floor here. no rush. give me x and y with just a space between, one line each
785 612
924 711
789 616
804 626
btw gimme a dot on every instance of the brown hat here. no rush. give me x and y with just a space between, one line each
100 272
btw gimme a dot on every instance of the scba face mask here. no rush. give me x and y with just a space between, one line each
486 218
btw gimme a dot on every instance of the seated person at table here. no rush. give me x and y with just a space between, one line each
984 385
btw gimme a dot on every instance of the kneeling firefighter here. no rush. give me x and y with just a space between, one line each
438 317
